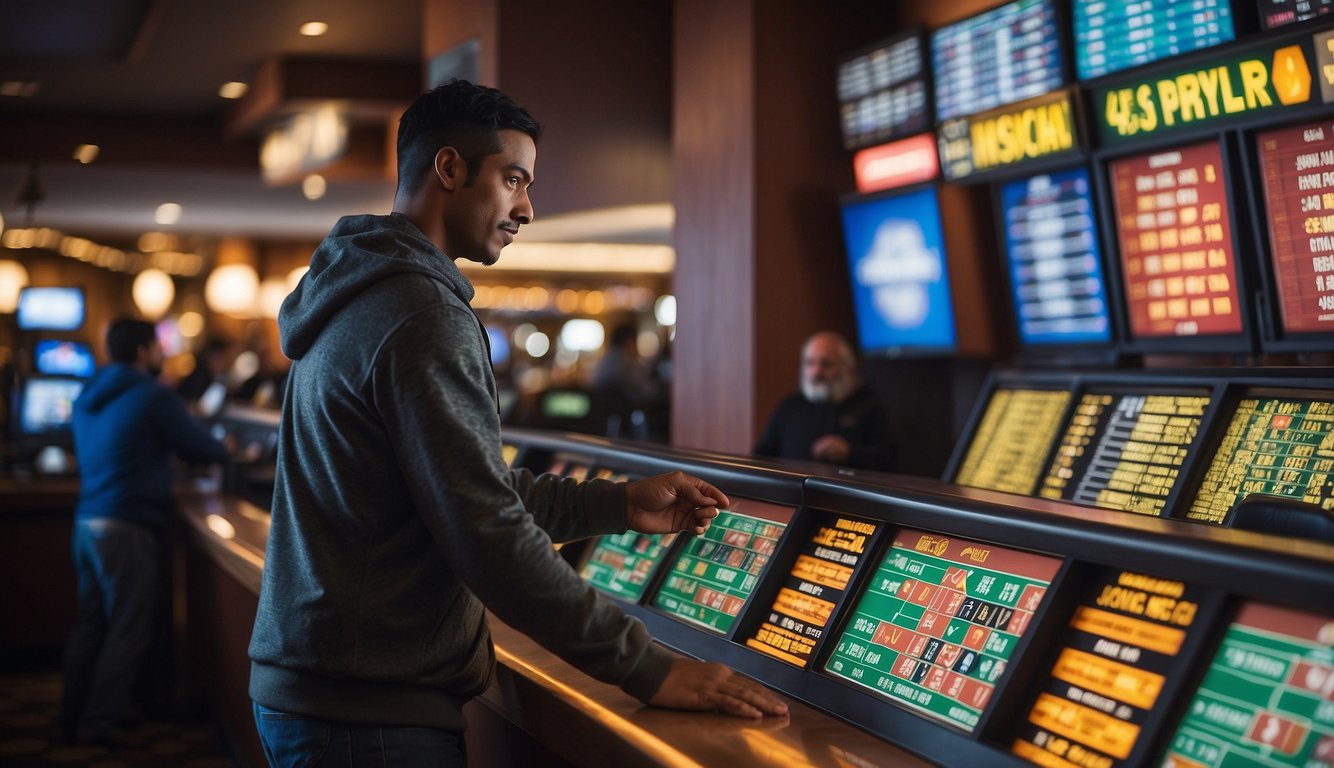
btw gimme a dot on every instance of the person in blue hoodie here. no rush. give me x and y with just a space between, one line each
395 520
126 428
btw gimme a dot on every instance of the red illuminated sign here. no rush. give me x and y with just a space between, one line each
896 164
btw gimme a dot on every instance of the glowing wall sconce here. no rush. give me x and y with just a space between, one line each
232 289
153 291
13 278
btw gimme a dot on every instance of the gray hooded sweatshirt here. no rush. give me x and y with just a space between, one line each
395 518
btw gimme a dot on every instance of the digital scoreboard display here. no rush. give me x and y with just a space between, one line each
1175 234
1297 165
1011 441
1120 651
938 622
1277 13
1124 451
1111 35
1055 262
1005 55
714 574
1268 697
1282 446
882 92
621 564
814 588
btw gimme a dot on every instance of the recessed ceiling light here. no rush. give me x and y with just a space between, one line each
86 153
314 28
314 186
168 214
232 90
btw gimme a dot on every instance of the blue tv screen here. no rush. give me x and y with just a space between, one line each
50 309
1004 55
47 404
1110 36
57 357
900 284
1054 260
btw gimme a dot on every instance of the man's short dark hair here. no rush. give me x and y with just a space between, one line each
623 333
126 337
461 115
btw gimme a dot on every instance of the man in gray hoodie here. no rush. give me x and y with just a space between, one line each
395 519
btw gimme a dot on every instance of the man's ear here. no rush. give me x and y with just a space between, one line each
450 168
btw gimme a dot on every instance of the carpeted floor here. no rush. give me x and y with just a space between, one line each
30 738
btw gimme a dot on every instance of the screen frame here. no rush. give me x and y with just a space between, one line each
928 82
913 351
30 290
1242 342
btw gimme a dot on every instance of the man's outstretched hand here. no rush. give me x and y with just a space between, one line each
704 685
672 502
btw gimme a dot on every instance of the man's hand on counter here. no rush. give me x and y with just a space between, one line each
672 502
704 685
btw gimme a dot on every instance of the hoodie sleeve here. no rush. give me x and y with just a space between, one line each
429 383
568 509
181 433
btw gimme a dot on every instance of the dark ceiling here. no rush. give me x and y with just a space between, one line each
140 79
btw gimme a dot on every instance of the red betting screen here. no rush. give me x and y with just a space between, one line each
1176 243
1298 172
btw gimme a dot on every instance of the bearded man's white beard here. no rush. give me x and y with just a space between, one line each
825 391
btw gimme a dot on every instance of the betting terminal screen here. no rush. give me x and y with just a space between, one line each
1055 262
1268 697
1276 445
1119 653
1175 236
938 621
1277 13
1297 166
1005 55
1012 439
815 586
1125 451
1112 35
622 564
882 92
713 575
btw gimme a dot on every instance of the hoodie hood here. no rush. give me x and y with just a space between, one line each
359 252
108 384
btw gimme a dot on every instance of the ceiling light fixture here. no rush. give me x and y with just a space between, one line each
167 214
314 186
86 153
232 90
314 28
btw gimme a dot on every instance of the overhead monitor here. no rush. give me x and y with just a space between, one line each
1004 55
1055 260
1297 169
1278 13
622 564
1124 450
61 357
900 279
1112 36
1174 229
938 622
46 404
1276 443
1266 697
1011 442
1127 640
713 575
882 92
50 308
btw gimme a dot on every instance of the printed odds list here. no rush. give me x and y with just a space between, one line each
1268 697
714 575
1011 441
1279 446
938 622
1124 451
815 586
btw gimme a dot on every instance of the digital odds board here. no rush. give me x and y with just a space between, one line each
1268 697
1282 446
882 92
714 574
622 564
938 621
1124 451
1005 55
815 586
1112 35
1011 441
1175 235
1103 689
1297 166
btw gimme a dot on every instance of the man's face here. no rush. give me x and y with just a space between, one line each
484 214
826 372
153 358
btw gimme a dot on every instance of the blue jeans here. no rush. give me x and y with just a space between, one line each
296 741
